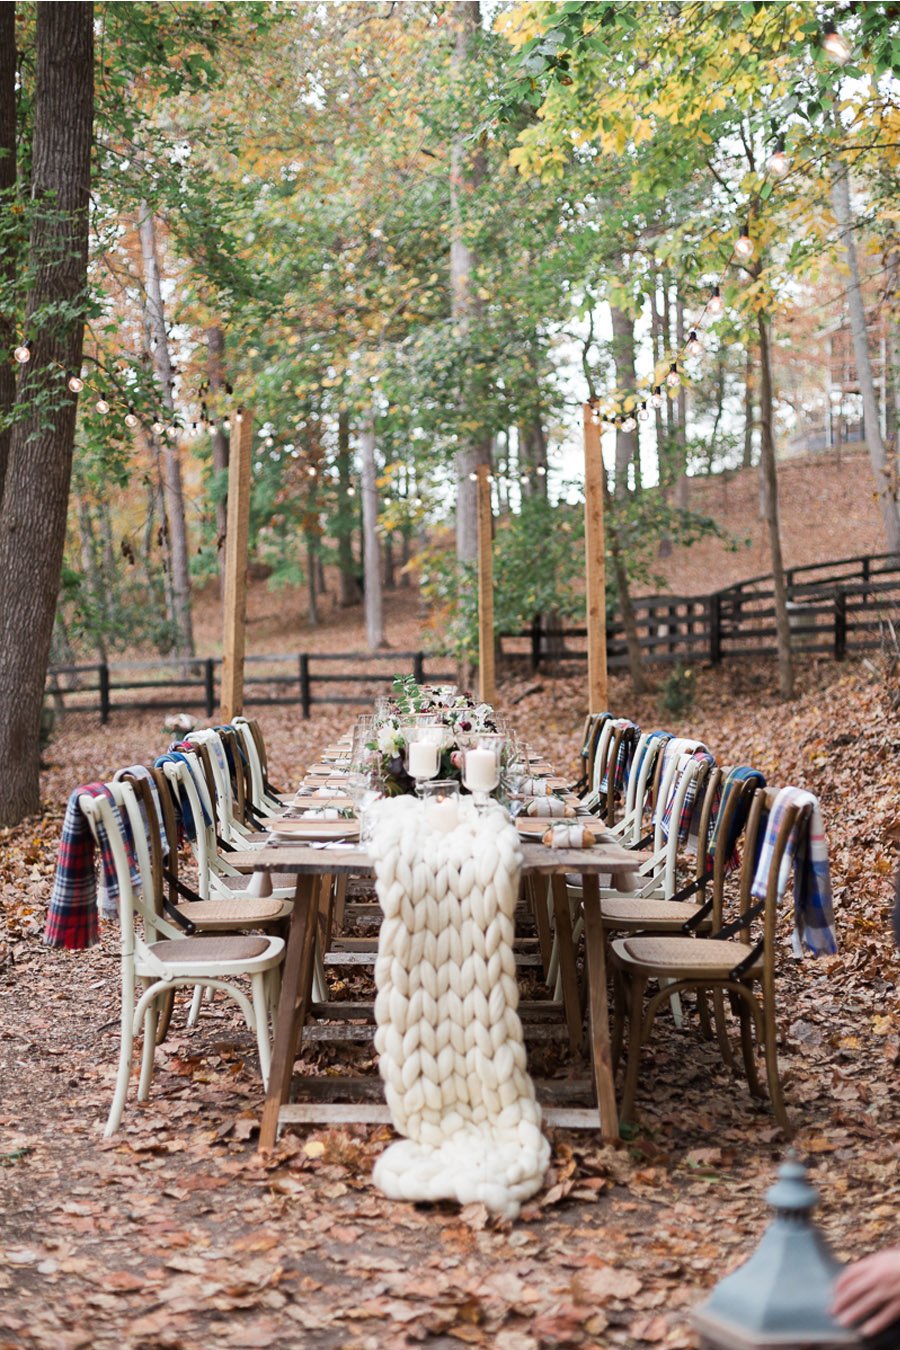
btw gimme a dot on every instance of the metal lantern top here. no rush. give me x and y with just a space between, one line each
780 1297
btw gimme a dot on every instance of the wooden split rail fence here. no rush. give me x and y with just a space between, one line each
835 610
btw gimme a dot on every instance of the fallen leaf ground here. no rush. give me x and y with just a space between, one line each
175 1233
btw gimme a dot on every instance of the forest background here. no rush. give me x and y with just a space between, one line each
413 238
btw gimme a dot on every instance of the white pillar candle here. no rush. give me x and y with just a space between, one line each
481 770
442 813
422 759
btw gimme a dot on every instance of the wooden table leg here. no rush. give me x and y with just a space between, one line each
536 890
296 974
601 1056
568 973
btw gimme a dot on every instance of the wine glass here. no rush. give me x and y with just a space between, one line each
481 768
423 753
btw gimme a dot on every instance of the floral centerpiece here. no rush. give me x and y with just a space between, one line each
458 715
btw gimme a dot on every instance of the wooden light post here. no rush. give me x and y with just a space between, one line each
236 537
594 547
486 680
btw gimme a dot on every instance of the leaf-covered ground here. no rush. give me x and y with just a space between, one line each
176 1234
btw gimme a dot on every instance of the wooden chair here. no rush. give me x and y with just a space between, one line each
162 958
725 962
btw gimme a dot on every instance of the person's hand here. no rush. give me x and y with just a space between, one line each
867 1294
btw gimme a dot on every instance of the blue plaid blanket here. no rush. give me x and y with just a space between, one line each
807 853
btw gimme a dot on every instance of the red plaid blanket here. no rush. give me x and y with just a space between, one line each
72 920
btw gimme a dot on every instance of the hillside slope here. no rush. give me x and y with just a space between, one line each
827 511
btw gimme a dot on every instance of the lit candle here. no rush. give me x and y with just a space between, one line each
422 759
442 813
481 770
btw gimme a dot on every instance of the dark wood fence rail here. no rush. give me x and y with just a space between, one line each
91 688
834 608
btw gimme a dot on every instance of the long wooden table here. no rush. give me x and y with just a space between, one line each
315 869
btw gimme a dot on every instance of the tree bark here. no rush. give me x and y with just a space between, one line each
626 379
169 451
215 357
626 607
465 173
371 550
7 189
683 485
33 515
348 573
747 457
785 656
884 485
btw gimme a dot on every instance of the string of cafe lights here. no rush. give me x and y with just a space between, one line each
778 166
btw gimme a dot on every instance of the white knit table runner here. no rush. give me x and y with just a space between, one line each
449 1039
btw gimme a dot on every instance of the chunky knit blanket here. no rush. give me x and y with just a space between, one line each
449 1039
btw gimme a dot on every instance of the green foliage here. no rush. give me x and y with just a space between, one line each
677 691
538 569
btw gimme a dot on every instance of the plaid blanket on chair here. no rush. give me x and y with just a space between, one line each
624 756
691 807
72 920
734 780
807 851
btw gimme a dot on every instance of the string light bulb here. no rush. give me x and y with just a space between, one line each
23 353
694 346
195 430
351 492
102 406
715 301
673 379
540 470
744 246
226 424
75 383
131 418
779 162
656 396
158 428
643 412
629 424
835 44
473 477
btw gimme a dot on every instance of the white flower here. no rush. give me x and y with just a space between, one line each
390 740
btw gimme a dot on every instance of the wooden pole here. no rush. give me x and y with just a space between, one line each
236 538
486 682
594 547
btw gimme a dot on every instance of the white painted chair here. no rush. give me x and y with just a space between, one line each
162 958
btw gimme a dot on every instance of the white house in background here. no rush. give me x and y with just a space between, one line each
842 423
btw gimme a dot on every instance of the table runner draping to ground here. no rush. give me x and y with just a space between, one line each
449 1038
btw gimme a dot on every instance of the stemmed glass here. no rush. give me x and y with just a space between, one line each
423 753
481 768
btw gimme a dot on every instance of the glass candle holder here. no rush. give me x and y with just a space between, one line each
481 768
423 752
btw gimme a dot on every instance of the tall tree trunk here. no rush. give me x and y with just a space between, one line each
767 440
390 579
626 606
35 502
626 379
312 580
466 171
169 450
215 357
747 457
371 550
92 576
683 485
348 573
884 485
7 188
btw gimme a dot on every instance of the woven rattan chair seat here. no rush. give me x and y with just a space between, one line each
682 957
627 913
192 950
226 913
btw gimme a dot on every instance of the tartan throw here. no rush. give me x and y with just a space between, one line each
72 920
183 813
625 754
735 778
807 852
141 771
691 807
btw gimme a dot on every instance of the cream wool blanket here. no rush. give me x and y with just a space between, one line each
449 1039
